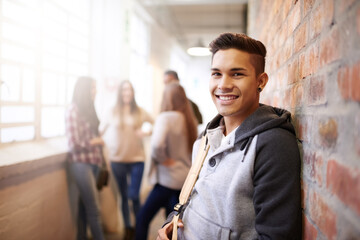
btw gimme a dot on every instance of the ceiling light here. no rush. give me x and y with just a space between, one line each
199 50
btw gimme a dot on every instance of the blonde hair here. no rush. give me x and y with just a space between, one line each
174 99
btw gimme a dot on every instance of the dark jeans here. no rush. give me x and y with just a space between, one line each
159 197
123 171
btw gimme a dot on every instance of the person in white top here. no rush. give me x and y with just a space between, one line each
174 133
123 137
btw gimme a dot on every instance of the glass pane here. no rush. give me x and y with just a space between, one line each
49 88
19 13
17 114
55 47
70 88
10 87
17 134
55 13
78 55
52 62
61 93
78 40
79 26
56 30
18 34
52 121
28 84
18 54
78 69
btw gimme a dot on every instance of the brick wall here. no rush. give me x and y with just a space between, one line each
314 67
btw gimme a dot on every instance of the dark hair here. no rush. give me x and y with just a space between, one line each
174 99
134 108
173 73
244 43
85 104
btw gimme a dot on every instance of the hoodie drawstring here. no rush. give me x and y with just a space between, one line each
245 145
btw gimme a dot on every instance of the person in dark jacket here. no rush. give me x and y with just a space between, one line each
172 76
249 185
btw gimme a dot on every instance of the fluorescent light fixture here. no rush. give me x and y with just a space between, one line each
199 50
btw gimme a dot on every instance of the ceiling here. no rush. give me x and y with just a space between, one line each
194 21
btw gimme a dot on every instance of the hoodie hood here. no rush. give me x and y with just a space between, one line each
264 118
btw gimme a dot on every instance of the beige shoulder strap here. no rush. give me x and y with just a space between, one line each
190 182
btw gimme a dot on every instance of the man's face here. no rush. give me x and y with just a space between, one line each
168 78
233 84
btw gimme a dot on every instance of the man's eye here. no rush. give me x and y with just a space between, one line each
238 74
215 74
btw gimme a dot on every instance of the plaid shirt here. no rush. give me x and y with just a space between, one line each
79 134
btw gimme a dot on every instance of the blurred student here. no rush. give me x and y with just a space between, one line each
174 133
171 76
123 137
85 155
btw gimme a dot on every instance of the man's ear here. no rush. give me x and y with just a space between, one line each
262 80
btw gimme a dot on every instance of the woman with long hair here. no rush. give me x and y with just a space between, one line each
174 133
123 137
85 155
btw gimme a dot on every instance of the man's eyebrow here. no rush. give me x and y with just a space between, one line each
237 69
232 70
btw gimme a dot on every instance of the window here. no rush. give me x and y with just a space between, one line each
44 47
140 70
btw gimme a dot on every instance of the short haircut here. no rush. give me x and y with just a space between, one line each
244 43
173 73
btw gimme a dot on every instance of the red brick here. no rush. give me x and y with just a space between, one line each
294 18
286 8
313 164
344 182
329 48
309 231
293 72
322 215
304 128
321 17
313 60
328 132
349 82
358 21
304 194
357 134
287 51
300 38
316 91
308 4
297 95
344 5
309 61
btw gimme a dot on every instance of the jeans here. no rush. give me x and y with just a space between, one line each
123 171
89 207
159 197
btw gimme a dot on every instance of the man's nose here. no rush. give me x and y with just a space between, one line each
225 82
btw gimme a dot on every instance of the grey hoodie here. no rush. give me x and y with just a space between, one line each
249 185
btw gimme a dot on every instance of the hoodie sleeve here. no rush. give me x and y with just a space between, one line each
277 199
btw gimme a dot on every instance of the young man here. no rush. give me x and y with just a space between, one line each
249 185
172 76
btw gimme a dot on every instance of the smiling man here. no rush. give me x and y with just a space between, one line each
249 185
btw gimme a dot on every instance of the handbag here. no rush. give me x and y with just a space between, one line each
103 176
190 182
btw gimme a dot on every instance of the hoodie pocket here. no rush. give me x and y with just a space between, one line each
198 227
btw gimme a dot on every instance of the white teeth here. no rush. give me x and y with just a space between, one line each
226 98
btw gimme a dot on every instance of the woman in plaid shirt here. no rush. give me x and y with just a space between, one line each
86 155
